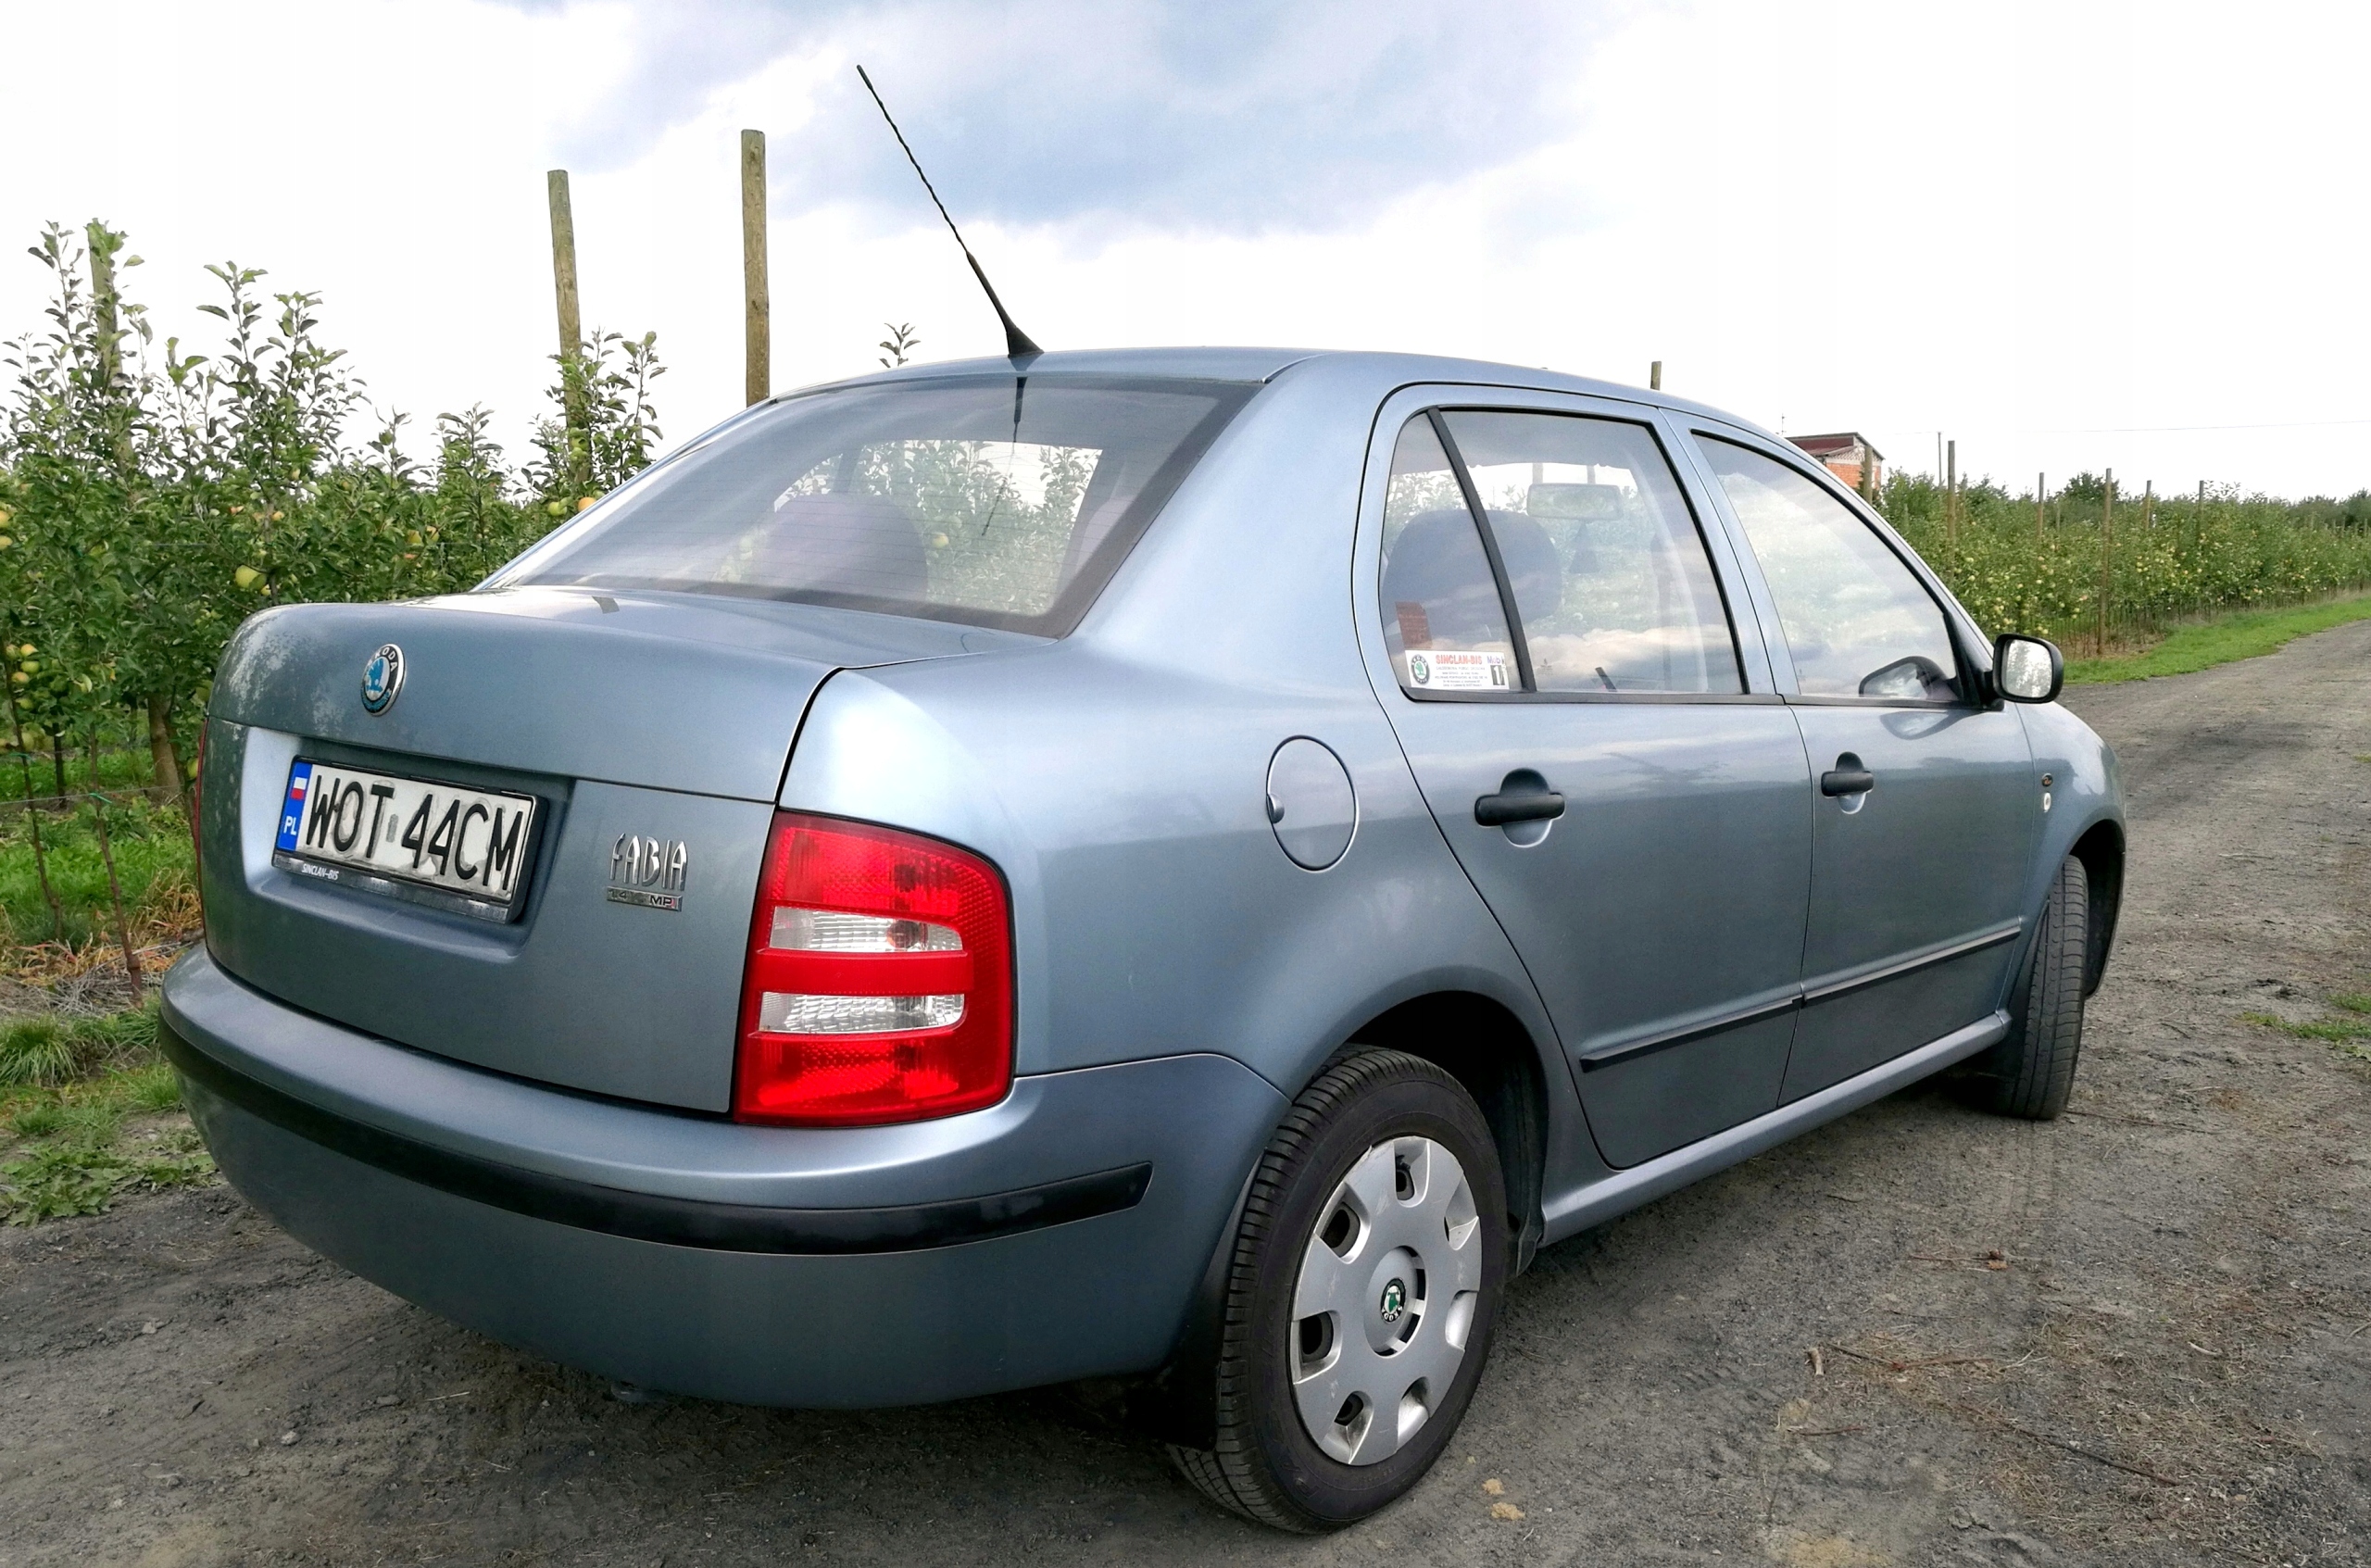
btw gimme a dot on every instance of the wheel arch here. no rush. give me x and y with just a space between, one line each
1478 1042
1474 1038
2101 849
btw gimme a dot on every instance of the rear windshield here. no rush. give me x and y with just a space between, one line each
1002 501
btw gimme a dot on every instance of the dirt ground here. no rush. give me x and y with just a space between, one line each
2139 1335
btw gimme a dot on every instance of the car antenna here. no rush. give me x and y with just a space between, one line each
1017 343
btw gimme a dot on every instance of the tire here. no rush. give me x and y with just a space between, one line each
2030 1072
1382 1181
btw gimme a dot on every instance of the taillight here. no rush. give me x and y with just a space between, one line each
880 979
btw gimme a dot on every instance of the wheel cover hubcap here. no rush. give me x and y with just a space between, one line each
1390 1280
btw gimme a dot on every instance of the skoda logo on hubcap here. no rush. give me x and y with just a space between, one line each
1395 1302
382 679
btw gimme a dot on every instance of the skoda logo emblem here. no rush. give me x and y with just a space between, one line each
1395 1302
383 678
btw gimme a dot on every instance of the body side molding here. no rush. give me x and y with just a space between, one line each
1626 1189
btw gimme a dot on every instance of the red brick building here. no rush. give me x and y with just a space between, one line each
1848 455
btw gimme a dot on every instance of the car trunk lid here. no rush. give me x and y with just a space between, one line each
659 721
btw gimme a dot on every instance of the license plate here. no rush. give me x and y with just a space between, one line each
463 849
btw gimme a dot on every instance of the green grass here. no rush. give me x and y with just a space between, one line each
2313 1028
2346 1035
46 1052
92 1133
2247 634
153 858
67 1177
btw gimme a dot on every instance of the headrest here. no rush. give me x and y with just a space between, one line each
1576 503
1437 562
1530 560
844 544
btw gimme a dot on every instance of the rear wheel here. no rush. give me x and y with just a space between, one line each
1361 1298
2031 1071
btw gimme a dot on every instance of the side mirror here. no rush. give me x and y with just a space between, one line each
2026 668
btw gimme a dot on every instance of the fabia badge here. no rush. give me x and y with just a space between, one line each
1395 1302
383 678
648 872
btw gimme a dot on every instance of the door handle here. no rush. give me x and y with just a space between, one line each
1523 806
1847 777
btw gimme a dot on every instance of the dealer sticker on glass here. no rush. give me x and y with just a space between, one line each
1451 669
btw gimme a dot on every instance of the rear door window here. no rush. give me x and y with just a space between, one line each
1443 621
1582 533
995 501
1608 571
1858 622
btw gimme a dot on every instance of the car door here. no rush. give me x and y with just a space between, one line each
1548 629
1927 799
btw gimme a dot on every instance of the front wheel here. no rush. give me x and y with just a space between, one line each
1361 1298
2031 1071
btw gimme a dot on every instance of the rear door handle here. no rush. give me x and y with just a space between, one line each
1847 777
1528 806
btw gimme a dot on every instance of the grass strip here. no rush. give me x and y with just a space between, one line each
2347 1036
2248 635
2313 1028
72 1098
59 1180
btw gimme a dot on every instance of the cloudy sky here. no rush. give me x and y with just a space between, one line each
2070 234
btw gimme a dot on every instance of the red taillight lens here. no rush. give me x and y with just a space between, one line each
880 979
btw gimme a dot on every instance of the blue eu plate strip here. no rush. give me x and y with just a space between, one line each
292 811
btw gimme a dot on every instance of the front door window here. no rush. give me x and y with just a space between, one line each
1858 622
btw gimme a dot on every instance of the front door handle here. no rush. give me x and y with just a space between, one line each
1847 777
1520 806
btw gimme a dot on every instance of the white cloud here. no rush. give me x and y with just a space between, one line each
2034 226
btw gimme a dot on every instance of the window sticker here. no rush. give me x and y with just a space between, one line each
1451 669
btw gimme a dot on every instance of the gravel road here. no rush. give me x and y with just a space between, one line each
2139 1335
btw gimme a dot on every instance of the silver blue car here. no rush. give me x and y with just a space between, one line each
1183 867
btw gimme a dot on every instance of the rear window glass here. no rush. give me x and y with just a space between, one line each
997 501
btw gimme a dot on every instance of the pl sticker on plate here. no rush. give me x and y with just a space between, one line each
1448 670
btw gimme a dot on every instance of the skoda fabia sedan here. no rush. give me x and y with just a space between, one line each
1181 867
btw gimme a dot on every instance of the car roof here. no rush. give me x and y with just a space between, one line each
1387 371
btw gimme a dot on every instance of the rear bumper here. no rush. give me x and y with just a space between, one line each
1058 1234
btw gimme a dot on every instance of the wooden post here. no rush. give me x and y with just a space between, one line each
106 316
572 324
101 248
2148 504
2107 556
1951 493
758 362
1655 376
2040 490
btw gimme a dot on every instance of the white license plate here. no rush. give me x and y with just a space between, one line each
460 849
